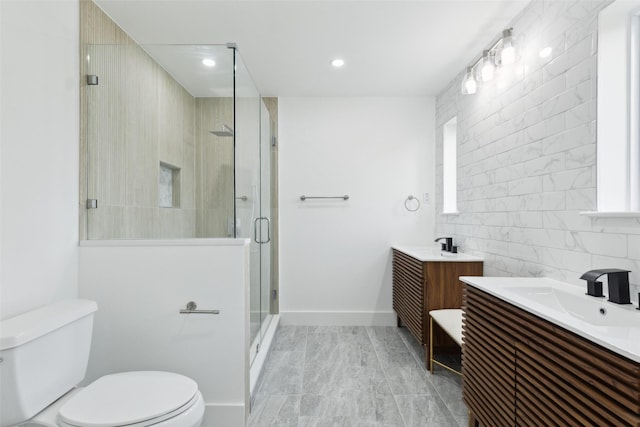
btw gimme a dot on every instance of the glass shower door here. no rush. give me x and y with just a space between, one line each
251 195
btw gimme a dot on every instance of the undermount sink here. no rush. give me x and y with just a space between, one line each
613 326
583 307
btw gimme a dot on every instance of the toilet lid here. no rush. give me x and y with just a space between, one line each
128 398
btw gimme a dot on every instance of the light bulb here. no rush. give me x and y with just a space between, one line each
469 85
486 67
508 53
545 52
337 62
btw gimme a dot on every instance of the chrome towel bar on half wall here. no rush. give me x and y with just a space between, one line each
191 309
303 197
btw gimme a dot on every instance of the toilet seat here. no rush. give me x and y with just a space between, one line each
134 399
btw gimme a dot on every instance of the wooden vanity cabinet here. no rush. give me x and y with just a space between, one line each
421 286
521 370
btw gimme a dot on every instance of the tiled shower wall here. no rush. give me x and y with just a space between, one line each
527 156
214 168
135 119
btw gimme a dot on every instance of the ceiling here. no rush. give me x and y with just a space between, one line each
390 48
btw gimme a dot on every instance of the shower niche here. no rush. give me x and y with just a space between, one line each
168 186
174 148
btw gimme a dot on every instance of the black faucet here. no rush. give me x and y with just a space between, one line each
446 246
618 284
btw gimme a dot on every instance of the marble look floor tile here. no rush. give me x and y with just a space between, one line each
408 380
397 359
319 356
318 342
275 410
290 338
360 405
416 348
365 378
448 385
424 411
353 376
386 338
334 422
265 409
463 421
283 373
444 378
320 378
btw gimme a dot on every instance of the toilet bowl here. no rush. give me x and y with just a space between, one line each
44 356
135 399
132 399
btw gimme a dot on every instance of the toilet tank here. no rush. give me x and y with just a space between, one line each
43 354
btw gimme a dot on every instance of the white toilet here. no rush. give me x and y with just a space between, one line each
43 357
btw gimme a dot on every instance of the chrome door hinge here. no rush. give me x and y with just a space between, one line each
92 80
92 203
274 294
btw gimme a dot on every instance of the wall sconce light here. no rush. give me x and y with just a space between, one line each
501 53
469 85
487 66
508 53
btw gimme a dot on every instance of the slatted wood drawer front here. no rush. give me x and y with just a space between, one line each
408 300
568 381
559 378
488 367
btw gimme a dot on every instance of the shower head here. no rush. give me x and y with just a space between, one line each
225 132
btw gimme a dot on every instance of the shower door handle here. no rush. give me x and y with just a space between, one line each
255 230
268 229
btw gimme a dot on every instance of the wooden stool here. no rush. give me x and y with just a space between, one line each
450 321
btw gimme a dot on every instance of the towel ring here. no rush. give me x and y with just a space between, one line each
408 202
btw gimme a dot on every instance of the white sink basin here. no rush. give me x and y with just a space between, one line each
583 307
614 326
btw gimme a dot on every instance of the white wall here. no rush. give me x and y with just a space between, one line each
39 153
527 157
141 285
335 255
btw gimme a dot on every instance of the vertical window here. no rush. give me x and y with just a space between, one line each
449 167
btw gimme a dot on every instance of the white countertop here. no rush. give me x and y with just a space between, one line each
433 253
566 305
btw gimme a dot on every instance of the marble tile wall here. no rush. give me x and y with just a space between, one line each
527 156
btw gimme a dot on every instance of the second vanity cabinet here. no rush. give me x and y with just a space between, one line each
424 280
521 370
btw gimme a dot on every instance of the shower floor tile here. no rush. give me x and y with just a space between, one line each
353 376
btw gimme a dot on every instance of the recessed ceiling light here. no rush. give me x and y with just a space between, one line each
209 62
337 62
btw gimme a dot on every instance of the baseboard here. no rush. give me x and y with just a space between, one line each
338 318
228 415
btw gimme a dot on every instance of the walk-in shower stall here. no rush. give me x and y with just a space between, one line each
178 144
